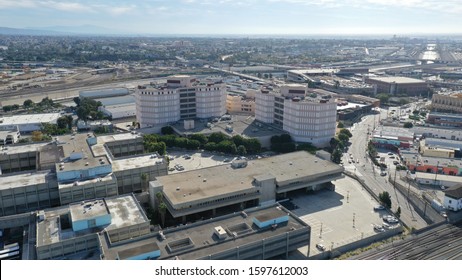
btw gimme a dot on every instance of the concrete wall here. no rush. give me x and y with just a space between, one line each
91 172
263 224
265 248
91 223
267 190
129 180
67 247
126 147
29 198
120 234
88 190
17 162
150 255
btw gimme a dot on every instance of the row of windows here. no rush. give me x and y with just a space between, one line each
223 199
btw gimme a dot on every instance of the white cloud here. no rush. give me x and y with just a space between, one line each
446 7
5 4
65 6
120 10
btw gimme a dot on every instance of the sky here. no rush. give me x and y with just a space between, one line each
240 17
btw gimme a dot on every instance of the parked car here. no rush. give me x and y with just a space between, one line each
320 247
379 228
379 207
383 173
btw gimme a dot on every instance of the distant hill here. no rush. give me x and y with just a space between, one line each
61 30
85 29
26 31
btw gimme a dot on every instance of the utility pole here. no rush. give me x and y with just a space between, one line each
436 173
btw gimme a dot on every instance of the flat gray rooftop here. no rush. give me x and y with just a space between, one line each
78 144
223 179
125 211
24 179
117 137
205 242
136 162
24 148
87 210
107 178
398 80
30 119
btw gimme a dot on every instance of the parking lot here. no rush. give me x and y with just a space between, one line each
337 218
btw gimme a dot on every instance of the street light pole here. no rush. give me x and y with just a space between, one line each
436 173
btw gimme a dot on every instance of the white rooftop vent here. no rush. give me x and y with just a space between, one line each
87 163
220 232
204 180
177 188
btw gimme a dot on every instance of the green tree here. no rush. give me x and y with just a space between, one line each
199 137
336 156
340 125
238 140
241 150
192 144
28 103
343 137
162 212
385 199
77 100
62 122
144 181
383 97
7 108
346 132
252 145
333 143
403 101
408 125
166 130
307 147
217 137
210 146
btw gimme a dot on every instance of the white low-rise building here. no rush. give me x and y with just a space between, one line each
453 198
28 123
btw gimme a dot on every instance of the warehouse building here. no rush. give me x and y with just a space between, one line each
104 93
399 85
27 123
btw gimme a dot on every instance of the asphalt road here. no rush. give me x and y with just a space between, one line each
366 170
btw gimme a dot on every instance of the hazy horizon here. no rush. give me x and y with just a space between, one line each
239 18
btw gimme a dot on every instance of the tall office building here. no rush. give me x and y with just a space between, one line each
181 98
306 118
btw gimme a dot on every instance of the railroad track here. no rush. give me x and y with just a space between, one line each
441 243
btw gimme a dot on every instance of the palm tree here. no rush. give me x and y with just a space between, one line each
162 212
144 181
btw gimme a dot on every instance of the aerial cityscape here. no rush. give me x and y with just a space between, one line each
230 137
